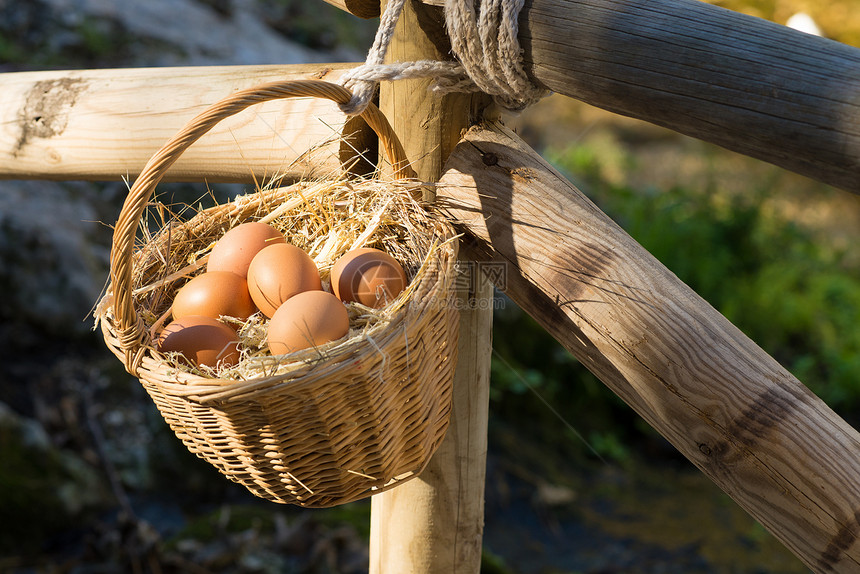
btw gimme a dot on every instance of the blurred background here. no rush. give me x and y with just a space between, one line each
93 481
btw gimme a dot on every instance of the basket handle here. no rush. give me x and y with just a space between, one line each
129 326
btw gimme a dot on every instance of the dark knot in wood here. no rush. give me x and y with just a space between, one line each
489 158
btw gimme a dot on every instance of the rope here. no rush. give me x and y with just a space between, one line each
489 58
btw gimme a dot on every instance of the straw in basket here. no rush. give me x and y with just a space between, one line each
323 426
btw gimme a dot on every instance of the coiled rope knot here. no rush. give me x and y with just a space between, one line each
489 58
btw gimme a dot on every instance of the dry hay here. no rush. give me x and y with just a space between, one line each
326 219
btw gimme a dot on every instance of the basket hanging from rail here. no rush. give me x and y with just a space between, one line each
323 426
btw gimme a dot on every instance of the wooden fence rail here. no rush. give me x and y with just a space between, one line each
746 422
749 85
105 124
752 86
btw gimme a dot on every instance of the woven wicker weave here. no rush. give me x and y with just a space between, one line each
323 432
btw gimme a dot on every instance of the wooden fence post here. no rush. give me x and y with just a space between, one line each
434 523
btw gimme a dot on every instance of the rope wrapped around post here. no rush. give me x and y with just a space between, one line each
489 57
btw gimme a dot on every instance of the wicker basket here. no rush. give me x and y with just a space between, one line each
333 425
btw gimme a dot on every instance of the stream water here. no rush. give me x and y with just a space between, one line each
633 516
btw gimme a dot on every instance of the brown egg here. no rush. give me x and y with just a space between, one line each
213 294
369 276
235 250
202 340
277 273
305 320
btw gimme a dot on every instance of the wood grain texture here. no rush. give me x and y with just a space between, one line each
105 124
429 126
434 523
732 410
360 8
744 83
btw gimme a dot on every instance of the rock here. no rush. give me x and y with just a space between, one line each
198 33
54 257
43 487
547 494
52 269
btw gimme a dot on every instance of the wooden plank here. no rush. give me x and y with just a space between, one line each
434 523
732 410
744 83
360 8
749 85
105 124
